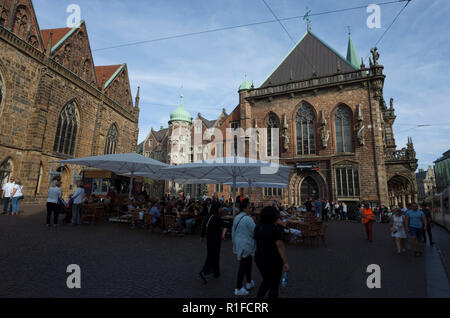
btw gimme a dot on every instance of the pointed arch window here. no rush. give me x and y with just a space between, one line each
342 120
272 124
306 136
66 131
111 141
3 17
6 169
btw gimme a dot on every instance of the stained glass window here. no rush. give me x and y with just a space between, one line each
66 131
306 137
343 129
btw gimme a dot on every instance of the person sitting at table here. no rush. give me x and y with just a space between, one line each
189 219
156 215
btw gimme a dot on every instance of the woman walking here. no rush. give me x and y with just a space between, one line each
17 196
244 247
398 228
214 232
270 256
53 199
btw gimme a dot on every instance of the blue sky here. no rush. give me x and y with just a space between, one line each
208 69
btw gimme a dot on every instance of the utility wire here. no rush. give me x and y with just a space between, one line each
281 23
240 26
392 23
289 35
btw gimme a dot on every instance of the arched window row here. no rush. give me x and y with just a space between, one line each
111 140
67 129
306 130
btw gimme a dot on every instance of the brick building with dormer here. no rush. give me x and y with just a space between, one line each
55 103
331 114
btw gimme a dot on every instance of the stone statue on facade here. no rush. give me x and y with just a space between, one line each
391 104
285 135
360 128
324 132
375 56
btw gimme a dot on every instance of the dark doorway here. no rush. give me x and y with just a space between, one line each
309 189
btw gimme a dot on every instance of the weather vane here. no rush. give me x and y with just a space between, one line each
349 29
308 20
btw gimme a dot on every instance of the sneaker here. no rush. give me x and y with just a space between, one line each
241 292
250 285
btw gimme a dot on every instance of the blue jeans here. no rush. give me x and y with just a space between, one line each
417 232
5 204
189 223
76 214
15 204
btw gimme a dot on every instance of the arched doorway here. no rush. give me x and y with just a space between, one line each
306 185
309 189
400 191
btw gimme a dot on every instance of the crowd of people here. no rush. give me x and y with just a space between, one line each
412 223
257 233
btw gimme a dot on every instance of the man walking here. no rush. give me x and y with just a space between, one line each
318 207
344 211
429 218
326 211
416 223
6 194
78 198
368 218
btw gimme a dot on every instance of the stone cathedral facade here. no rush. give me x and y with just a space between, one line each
55 103
331 115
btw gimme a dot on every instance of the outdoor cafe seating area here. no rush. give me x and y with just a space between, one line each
300 228
174 216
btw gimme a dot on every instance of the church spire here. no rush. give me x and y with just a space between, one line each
138 98
352 56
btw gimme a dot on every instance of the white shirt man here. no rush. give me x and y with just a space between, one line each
78 196
7 190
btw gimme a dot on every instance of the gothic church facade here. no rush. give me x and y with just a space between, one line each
55 103
331 115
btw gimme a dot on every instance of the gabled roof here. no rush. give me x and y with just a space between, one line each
208 123
159 135
108 71
311 55
58 34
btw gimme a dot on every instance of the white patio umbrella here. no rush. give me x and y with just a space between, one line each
128 163
245 185
232 170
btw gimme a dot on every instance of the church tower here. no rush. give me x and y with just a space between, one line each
179 142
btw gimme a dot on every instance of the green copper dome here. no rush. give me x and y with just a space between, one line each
180 114
245 85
